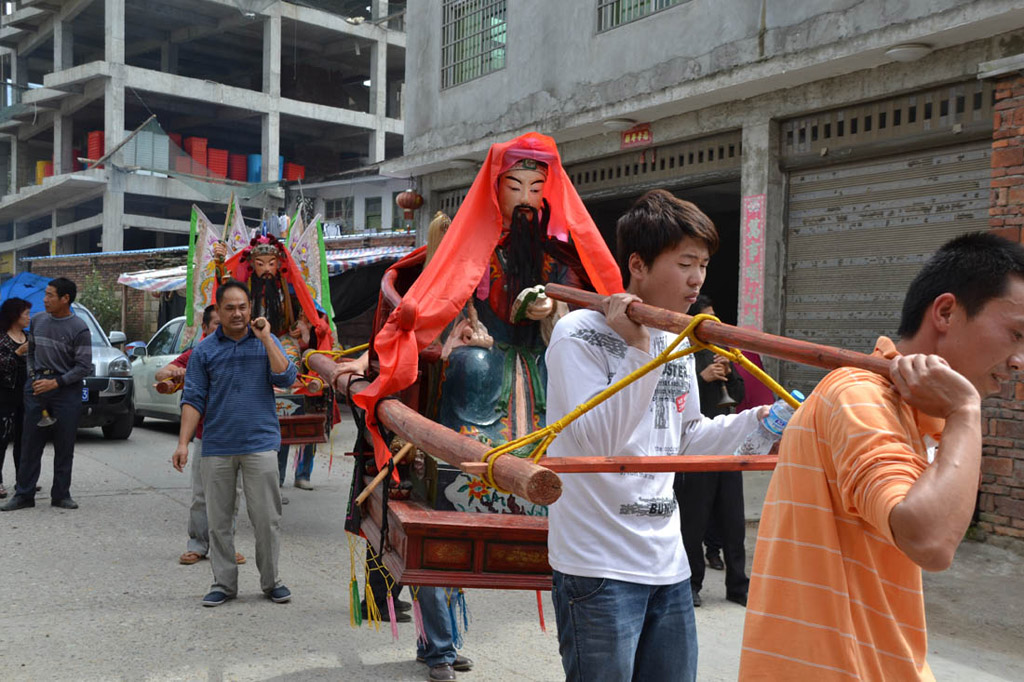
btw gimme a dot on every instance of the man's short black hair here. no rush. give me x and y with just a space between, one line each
208 314
230 284
64 287
658 221
975 268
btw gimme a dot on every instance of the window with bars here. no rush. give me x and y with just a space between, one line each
472 39
340 212
612 13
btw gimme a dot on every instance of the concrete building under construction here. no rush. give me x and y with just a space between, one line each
246 91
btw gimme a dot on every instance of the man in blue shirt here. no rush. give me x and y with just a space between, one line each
230 384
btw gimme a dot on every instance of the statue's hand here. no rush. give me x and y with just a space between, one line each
540 308
465 333
479 337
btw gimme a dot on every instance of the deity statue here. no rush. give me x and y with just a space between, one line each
521 226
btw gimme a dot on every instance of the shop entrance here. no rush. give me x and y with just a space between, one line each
721 202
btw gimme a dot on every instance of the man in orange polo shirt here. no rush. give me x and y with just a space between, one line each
878 477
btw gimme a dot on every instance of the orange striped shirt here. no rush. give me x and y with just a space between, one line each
831 596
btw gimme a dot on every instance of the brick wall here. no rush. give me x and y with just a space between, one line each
143 307
1001 504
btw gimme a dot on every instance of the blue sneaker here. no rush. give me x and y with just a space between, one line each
215 598
279 595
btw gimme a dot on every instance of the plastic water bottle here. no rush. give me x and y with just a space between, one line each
769 429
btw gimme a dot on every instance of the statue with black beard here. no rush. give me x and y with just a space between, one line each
494 378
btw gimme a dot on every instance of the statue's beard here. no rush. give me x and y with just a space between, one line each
524 250
266 300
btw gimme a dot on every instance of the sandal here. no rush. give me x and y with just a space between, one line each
190 557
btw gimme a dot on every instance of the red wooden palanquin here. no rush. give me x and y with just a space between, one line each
446 548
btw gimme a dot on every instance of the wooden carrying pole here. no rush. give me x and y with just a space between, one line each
726 335
520 476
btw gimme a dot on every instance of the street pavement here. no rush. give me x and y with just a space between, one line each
97 593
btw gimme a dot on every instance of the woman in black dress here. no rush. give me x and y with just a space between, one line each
14 319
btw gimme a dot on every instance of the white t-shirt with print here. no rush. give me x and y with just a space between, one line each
625 526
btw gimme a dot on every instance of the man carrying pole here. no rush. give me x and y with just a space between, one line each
878 476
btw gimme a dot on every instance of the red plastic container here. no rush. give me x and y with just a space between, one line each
48 169
95 144
237 167
294 171
196 148
217 161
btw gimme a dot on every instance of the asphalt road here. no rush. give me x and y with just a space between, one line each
97 593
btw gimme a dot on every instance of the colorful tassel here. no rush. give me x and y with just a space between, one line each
540 613
355 613
372 612
417 617
392 616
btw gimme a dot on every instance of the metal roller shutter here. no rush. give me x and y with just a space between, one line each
858 233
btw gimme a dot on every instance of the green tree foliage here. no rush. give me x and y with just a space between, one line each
99 298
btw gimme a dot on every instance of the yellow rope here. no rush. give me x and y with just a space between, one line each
547 434
335 354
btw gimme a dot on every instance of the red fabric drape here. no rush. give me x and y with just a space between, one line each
457 267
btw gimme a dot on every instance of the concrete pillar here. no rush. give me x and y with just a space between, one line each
63 156
5 166
762 229
113 111
271 146
272 55
19 154
112 236
113 25
63 46
378 91
378 9
169 58
63 58
19 72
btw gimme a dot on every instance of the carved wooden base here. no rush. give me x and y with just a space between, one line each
299 429
460 549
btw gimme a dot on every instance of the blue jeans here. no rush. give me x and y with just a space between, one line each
437 625
65 405
305 467
615 631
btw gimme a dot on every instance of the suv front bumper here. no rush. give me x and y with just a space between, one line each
109 399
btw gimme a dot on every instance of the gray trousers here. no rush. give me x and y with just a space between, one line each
198 526
262 499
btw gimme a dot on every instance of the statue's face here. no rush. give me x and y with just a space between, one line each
265 266
519 189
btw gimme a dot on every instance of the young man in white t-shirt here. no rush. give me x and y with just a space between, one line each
621 582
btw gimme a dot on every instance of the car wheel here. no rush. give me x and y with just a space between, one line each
139 419
121 429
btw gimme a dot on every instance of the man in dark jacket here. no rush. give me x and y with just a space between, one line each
711 503
60 357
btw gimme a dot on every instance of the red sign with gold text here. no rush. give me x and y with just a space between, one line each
637 136
752 245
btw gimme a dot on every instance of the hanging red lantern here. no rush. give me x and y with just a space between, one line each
409 201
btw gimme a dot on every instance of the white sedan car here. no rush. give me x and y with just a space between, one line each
167 344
